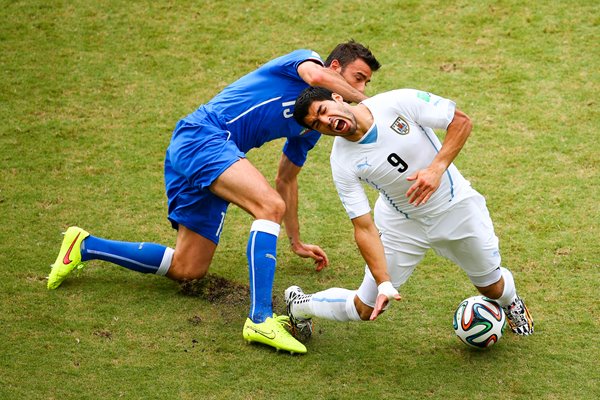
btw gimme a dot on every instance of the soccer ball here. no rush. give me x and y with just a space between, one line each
479 322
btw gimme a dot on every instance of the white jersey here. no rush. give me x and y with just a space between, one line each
400 142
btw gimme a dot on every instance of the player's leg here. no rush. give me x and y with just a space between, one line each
466 236
243 185
193 255
190 207
148 258
405 244
194 250
505 294
336 304
199 214
190 260
401 265
79 246
404 248
339 304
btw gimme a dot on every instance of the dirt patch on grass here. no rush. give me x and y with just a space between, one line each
218 290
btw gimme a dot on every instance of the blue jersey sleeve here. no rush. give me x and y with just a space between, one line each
288 64
297 148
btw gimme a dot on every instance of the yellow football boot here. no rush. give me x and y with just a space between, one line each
69 256
272 332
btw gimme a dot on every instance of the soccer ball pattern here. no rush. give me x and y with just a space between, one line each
479 322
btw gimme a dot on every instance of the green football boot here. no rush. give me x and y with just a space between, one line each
69 256
272 332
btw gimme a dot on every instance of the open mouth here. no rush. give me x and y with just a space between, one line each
339 125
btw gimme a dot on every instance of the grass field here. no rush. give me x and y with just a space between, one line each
89 95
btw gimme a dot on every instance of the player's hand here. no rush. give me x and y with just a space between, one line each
312 251
426 182
386 292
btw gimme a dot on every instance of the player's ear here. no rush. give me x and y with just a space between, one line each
338 98
335 65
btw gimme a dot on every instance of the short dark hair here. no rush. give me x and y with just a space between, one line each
306 98
347 52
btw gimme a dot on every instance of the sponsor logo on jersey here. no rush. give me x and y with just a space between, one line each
364 164
424 96
400 126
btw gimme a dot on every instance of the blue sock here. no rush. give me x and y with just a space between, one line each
148 258
262 259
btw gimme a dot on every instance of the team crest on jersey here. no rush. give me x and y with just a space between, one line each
400 126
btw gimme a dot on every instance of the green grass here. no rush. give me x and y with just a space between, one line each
89 95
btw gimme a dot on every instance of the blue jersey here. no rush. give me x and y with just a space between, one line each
258 107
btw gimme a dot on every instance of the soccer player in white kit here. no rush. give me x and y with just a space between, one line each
388 143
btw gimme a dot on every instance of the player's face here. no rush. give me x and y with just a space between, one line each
331 117
357 74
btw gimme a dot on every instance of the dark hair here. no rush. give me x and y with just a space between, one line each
306 98
347 52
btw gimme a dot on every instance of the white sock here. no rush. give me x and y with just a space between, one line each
165 264
335 304
510 291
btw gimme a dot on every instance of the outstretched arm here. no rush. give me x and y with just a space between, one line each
317 75
370 246
426 181
287 186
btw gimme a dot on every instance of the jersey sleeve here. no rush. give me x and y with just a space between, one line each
289 63
350 190
426 109
297 148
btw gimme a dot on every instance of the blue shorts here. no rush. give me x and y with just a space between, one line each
198 154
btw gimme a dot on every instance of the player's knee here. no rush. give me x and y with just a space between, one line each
278 208
272 209
184 271
365 315
493 291
364 311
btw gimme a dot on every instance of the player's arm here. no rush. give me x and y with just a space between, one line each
317 75
286 184
370 246
426 181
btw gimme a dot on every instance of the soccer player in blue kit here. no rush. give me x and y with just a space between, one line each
206 169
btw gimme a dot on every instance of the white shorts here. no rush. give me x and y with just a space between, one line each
463 234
